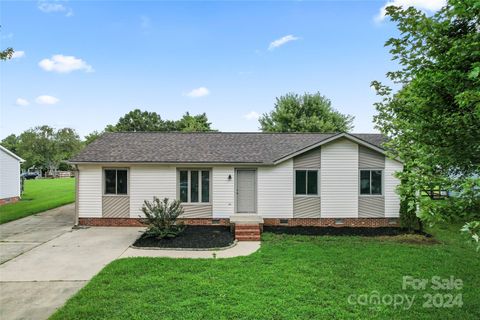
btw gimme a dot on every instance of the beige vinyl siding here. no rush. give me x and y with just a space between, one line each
309 159
147 181
339 179
392 199
275 191
9 176
90 191
223 192
371 206
116 206
370 159
197 211
306 207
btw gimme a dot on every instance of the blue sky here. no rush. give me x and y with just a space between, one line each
83 64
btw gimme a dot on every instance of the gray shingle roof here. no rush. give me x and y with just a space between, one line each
213 147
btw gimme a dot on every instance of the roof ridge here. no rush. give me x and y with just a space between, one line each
237 132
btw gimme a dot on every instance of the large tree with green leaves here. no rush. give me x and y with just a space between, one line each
138 120
193 123
305 113
10 142
433 120
44 147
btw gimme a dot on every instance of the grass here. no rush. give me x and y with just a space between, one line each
290 277
39 195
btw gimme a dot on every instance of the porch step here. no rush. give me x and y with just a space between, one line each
246 219
247 232
248 238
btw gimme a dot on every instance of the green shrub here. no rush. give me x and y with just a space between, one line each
408 216
161 217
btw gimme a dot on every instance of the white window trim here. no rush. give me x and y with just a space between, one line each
189 191
306 183
360 182
104 183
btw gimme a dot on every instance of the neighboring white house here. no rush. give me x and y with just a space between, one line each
10 188
292 179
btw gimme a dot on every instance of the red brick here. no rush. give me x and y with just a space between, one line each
330 222
136 222
9 200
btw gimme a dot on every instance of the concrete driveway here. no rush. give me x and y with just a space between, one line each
44 261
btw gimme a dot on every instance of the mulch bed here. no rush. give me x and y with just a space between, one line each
195 237
340 231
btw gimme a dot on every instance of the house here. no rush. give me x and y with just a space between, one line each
10 185
253 179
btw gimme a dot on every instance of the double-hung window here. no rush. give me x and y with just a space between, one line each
116 181
306 182
194 186
370 182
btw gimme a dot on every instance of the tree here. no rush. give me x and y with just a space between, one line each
137 120
89 138
6 54
45 148
433 120
11 143
197 123
68 143
305 113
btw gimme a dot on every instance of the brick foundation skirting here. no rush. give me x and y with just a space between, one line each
9 200
294 222
331 222
136 222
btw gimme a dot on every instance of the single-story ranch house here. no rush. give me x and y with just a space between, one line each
253 179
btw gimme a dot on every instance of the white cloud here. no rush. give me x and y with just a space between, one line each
280 42
424 5
64 64
252 115
46 100
49 7
198 92
18 54
22 102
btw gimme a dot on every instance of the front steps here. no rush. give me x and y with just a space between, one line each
248 227
247 232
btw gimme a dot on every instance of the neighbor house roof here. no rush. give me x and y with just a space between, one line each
211 147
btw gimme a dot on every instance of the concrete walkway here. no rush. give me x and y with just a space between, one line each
45 261
22 235
242 248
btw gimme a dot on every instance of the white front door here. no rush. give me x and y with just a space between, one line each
246 190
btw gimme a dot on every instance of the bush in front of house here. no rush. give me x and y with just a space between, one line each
161 217
408 216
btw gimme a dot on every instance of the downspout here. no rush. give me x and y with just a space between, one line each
77 182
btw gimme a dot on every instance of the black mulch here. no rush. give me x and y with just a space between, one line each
198 237
340 231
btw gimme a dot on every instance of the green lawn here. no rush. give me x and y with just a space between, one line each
290 277
39 195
